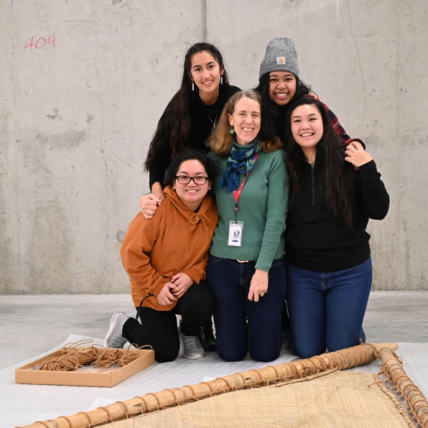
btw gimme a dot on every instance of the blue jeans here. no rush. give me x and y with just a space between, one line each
229 282
327 309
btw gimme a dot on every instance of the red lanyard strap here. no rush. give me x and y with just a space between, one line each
237 193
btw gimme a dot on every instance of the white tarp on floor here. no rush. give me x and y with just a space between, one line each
24 404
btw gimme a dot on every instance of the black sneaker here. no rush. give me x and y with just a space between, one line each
206 337
286 338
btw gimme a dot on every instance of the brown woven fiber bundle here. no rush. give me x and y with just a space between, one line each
108 357
84 353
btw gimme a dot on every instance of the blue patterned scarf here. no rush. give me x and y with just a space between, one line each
240 162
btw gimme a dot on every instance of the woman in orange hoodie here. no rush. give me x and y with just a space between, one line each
166 259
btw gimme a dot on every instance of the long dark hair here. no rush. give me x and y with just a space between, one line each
174 125
273 115
337 173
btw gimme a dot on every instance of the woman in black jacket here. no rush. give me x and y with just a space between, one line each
333 193
186 123
189 117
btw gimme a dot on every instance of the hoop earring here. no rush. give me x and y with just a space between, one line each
193 86
232 131
221 80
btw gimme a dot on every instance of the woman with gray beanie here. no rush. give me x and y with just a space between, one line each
280 85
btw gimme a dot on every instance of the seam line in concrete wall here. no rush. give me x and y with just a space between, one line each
204 21
363 80
12 142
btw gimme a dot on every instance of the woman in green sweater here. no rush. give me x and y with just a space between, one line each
245 270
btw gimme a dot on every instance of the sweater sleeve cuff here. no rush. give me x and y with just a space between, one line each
156 288
355 139
196 274
368 169
155 178
262 265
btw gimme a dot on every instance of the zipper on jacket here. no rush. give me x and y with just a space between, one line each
313 182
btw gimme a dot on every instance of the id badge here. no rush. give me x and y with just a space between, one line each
235 233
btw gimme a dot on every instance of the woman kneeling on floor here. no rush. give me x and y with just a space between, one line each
333 194
245 269
166 258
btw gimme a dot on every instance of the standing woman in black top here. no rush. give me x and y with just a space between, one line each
186 123
334 191
189 117
280 86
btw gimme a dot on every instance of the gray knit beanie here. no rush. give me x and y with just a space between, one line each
280 55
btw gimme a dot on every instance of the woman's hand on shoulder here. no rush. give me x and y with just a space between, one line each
149 203
259 285
356 154
183 283
314 95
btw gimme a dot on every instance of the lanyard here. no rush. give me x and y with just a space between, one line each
237 193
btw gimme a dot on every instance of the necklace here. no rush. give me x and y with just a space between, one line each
213 122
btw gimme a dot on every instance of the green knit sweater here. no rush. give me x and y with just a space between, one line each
262 208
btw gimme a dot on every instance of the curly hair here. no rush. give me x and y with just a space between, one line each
209 165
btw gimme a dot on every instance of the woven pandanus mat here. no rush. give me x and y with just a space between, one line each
336 399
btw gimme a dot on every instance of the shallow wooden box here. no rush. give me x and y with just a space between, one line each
99 377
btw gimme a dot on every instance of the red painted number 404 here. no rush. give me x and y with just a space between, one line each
41 42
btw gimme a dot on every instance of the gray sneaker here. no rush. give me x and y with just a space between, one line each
114 338
192 348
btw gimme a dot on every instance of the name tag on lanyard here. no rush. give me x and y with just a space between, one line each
236 228
235 233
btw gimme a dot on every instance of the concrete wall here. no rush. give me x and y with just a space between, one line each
77 116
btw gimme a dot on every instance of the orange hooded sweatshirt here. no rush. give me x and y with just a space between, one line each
175 240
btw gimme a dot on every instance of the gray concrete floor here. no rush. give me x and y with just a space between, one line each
32 324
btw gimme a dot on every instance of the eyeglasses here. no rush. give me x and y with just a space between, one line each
185 179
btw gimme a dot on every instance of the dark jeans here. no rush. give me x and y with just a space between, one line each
159 328
229 282
327 309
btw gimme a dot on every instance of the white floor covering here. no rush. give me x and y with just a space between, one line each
24 404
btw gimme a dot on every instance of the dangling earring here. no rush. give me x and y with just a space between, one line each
221 80
232 131
193 86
